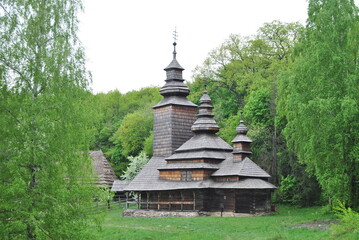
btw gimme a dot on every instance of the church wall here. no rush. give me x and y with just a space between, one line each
177 175
172 128
210 200
182 121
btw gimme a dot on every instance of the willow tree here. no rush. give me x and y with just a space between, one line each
44 127
320 98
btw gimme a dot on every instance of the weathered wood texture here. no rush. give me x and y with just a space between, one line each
177 175
172 127
242 146
227 179
227 200
213 161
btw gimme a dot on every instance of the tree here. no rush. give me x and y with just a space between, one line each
242 74
319 97
134 130
135 166
45 124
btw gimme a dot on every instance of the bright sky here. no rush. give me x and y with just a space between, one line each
128 43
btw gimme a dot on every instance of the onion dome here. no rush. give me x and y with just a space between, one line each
205 121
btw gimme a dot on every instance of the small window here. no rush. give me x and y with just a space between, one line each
186 175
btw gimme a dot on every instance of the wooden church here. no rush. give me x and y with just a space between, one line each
192 169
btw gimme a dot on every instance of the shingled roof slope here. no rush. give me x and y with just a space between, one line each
148 180
106 176
246 168
205 144
204 141
119 185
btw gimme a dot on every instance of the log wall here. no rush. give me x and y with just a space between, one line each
176 175
211 200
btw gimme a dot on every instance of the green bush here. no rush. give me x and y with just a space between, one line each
348 227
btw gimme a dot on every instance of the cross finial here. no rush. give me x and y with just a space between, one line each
241 112
175 35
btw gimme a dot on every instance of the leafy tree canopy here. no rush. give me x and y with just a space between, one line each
45 123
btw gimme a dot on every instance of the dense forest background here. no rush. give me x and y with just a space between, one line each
298 90
297 87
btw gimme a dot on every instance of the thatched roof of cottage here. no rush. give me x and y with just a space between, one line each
106 175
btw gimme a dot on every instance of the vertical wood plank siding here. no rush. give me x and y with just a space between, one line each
172 128
231 200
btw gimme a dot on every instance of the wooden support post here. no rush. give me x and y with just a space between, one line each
194 200
158 202
138 200
170 200
148 198
126 200
182 199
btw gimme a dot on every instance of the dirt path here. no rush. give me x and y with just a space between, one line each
318 225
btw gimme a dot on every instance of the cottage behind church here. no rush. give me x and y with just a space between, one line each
192 169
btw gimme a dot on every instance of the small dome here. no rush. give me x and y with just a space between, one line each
205 121
242 129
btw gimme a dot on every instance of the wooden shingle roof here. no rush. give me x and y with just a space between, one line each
119 185
205 150
245 168
148 180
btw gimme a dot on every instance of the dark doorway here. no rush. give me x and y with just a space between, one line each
243 203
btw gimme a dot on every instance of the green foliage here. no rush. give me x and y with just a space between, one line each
288 189
134 130
135 166
148 145
228 128
123 111
349 222
319 97
241 74
46 123
258 108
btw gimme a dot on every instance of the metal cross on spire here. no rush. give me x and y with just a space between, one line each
175 37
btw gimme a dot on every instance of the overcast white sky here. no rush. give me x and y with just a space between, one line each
129 42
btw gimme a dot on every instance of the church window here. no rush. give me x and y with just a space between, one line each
186 175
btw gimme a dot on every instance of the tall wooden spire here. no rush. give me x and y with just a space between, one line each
175 114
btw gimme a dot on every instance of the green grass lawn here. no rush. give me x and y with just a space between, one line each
278 226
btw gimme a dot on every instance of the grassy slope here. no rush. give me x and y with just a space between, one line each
271 227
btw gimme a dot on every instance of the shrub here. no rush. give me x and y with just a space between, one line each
348 228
